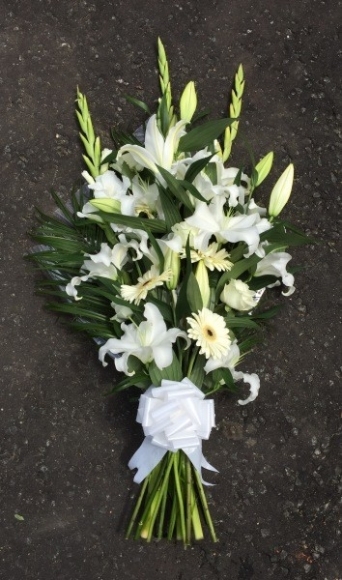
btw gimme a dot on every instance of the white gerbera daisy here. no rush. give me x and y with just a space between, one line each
210 333
213 258
151 279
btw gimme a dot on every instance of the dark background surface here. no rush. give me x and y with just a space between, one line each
64 446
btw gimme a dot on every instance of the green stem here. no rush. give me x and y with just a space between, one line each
154 480
181 519
192 361
205 507
173 518
162 491
137 508
188 500
214 390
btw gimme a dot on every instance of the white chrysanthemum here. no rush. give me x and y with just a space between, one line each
150 280
210 333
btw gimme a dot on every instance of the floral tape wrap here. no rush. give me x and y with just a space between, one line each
174 416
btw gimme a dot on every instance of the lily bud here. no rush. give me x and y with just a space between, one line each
237 295
281 192
188 102
86 175
106 204
172 263
203 282
104 166
264 167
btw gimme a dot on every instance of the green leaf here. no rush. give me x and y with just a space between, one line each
140 380
192 189
249 343
152 225
62 206
164 309
171 212
163 116
176 188
195 168
189 296
240 322
285 236
138 103
123 138
269 313
197 373
224 374
200 137
157 249
172 373
193 293
211 172
236 271
19 517
259 282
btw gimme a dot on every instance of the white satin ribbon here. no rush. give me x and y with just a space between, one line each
173 416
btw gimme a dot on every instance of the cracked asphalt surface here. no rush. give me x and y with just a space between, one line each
66 490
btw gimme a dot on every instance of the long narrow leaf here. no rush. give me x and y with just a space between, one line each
204 135
195 168
176 188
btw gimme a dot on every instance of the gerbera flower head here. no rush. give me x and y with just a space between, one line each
210 333
213 258
150 280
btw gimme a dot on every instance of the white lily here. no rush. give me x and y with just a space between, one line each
120 255
254 385
150 341
158 150
211 220
143 199
95 270
122 313
274 264
108 185
228 361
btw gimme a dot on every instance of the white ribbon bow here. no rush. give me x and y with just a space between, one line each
173 416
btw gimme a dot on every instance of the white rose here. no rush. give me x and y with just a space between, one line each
237 295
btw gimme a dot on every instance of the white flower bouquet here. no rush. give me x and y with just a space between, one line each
161 257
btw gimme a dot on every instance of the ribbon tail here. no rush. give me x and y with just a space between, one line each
145 459
198 461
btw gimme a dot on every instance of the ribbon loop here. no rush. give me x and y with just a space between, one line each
174 416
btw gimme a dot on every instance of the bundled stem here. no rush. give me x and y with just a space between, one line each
171 503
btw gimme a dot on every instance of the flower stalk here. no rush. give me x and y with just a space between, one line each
172 503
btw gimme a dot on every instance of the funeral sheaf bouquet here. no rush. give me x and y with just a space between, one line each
162 256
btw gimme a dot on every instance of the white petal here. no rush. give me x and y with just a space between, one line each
162 355
254 384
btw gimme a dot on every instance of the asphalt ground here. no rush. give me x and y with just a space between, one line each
66 491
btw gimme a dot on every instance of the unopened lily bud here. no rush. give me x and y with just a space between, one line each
172 263
281 192
188 102
264 167
106 204
86 175
203 282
